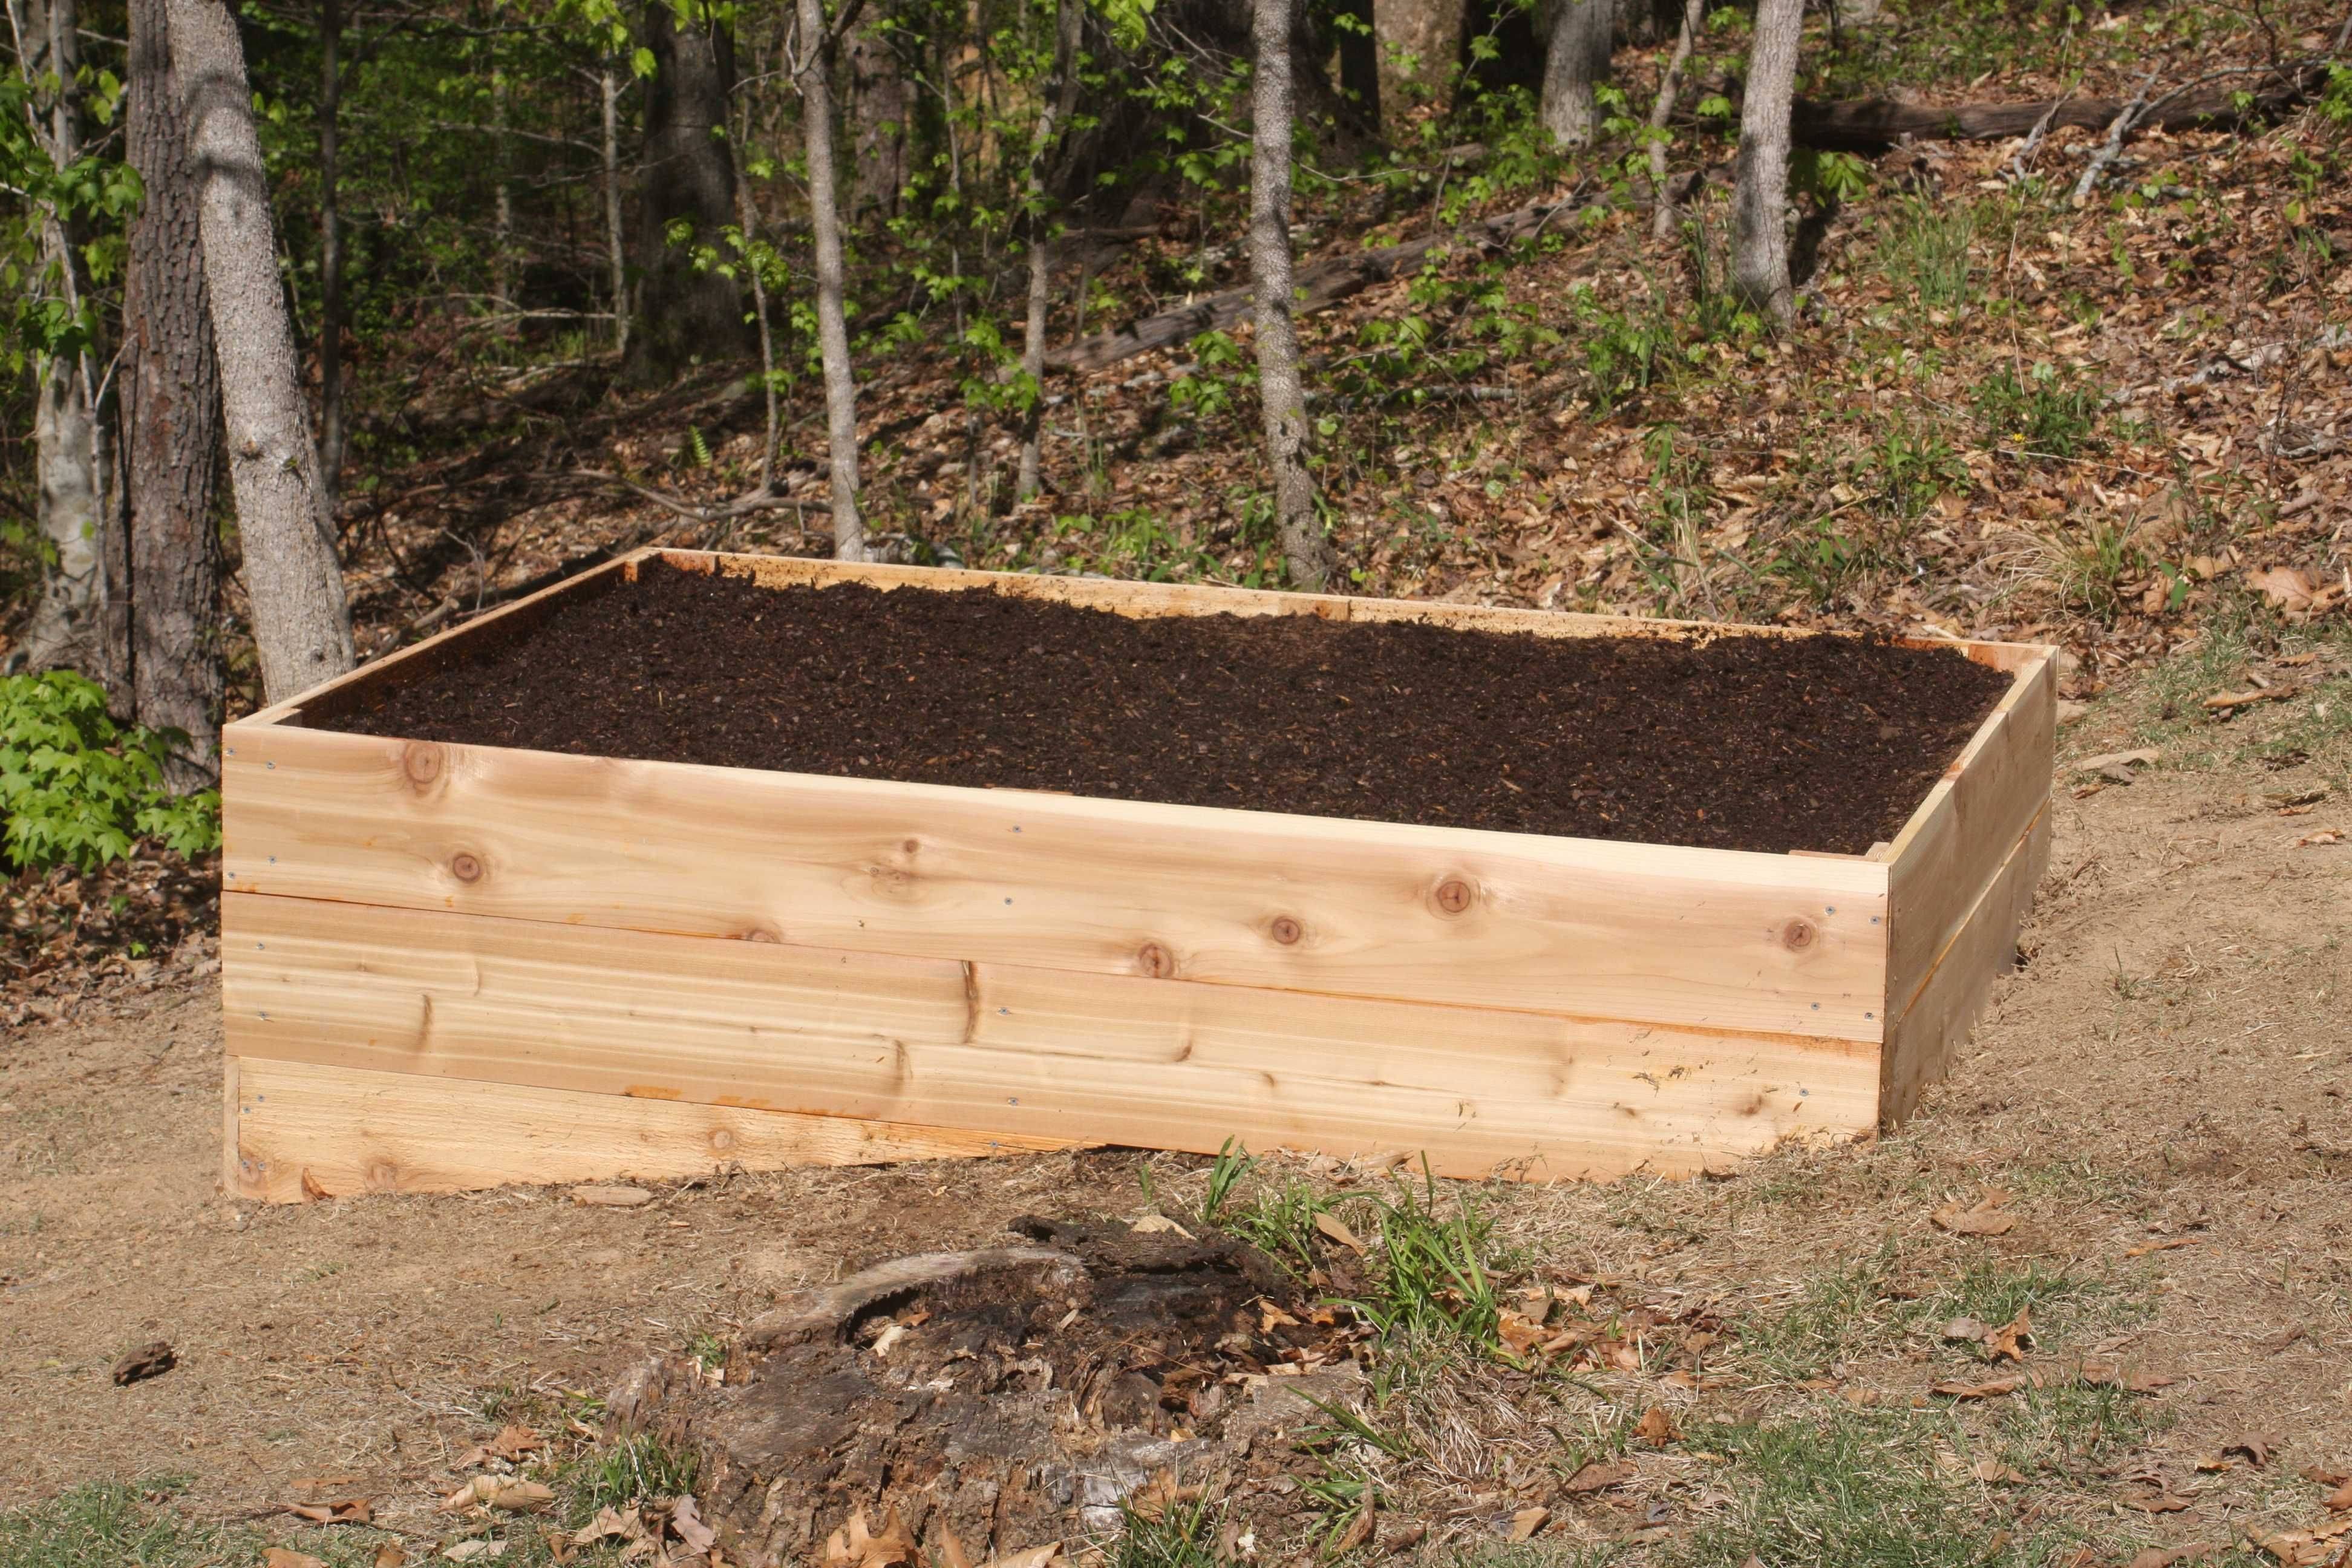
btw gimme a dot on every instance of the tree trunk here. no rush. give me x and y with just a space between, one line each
502 282
832 324
1417 43
616 256
68 435
1576 60
881 102
331 253
1760 259
163 578
1662 222
1057 98
1279 392
301 624
1359 59
686 179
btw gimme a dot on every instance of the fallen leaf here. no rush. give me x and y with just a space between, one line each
2114 763
951 1549
1657 1427
1033 1557
392 1555
854 1544
2254 1448
686 1520
1990 1470
2007 1342
1158 1223
2228 702
1984 1218
2167 1244
1991 1390
1331 1226
1527 1521
1598 1477
2324 836
283 1557
151 1359
358 1511
2341 1497
611 1197
608 1523
2286 587
473 1551
524 1496
1966 1329
2157 1502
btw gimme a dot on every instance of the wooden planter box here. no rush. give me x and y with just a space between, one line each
449 967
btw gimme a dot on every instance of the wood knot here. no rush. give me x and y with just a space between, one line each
420 762
911 846
384 1176
760 933
721 1140
1285 930
1798 935
466 866
1155 961
1453 895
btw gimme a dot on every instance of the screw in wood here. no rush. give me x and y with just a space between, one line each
465 866
1284 930
1453 895
1155 961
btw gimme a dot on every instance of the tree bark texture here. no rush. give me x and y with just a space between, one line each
330 250
1875 124
1576 60
1760 239
881 104
163 576
686 179
1417 43
616 254
1057 98
301 624
1283 399
832 322
69 433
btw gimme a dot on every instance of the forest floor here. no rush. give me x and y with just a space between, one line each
2156 1104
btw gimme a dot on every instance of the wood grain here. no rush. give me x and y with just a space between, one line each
1013 1050
1961 977
1962 834
1703 938
351 1131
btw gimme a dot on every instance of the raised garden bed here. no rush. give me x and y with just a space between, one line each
707 859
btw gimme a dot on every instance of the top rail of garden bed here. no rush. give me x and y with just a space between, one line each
2025 663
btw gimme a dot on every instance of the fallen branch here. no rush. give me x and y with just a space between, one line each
1321 285
2113 147
1873 124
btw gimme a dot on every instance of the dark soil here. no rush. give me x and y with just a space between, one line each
1742 743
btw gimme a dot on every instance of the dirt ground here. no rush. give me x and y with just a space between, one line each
2160 1091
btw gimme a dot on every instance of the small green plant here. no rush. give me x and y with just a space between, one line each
1215 381
1430 1279
2046 413
78 789
631 1470
1180 1535
1226 1173
1924 251
1624 351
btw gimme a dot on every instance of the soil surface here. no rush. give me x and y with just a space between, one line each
1743 743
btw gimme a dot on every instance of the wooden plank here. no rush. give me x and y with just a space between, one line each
1960 979
1963 834
1703 938
1009 1049
349 1131
228 1171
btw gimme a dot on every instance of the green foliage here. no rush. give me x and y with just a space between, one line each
1923 249
78 790
634 1470
102 1525
1830 179
1180 1535
2046 413
1217 380
1624 351
1430 1279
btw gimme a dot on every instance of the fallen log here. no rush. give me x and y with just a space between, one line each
1872 124
1321 285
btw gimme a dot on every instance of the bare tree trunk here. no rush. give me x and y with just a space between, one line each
68 433
163 576
685 313
331 253
1359 59
502 281
1759 259
616 253
832 325
1661 221
1416 42
1576 60
1057 99
301 624
750 223
1284 400
881 99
